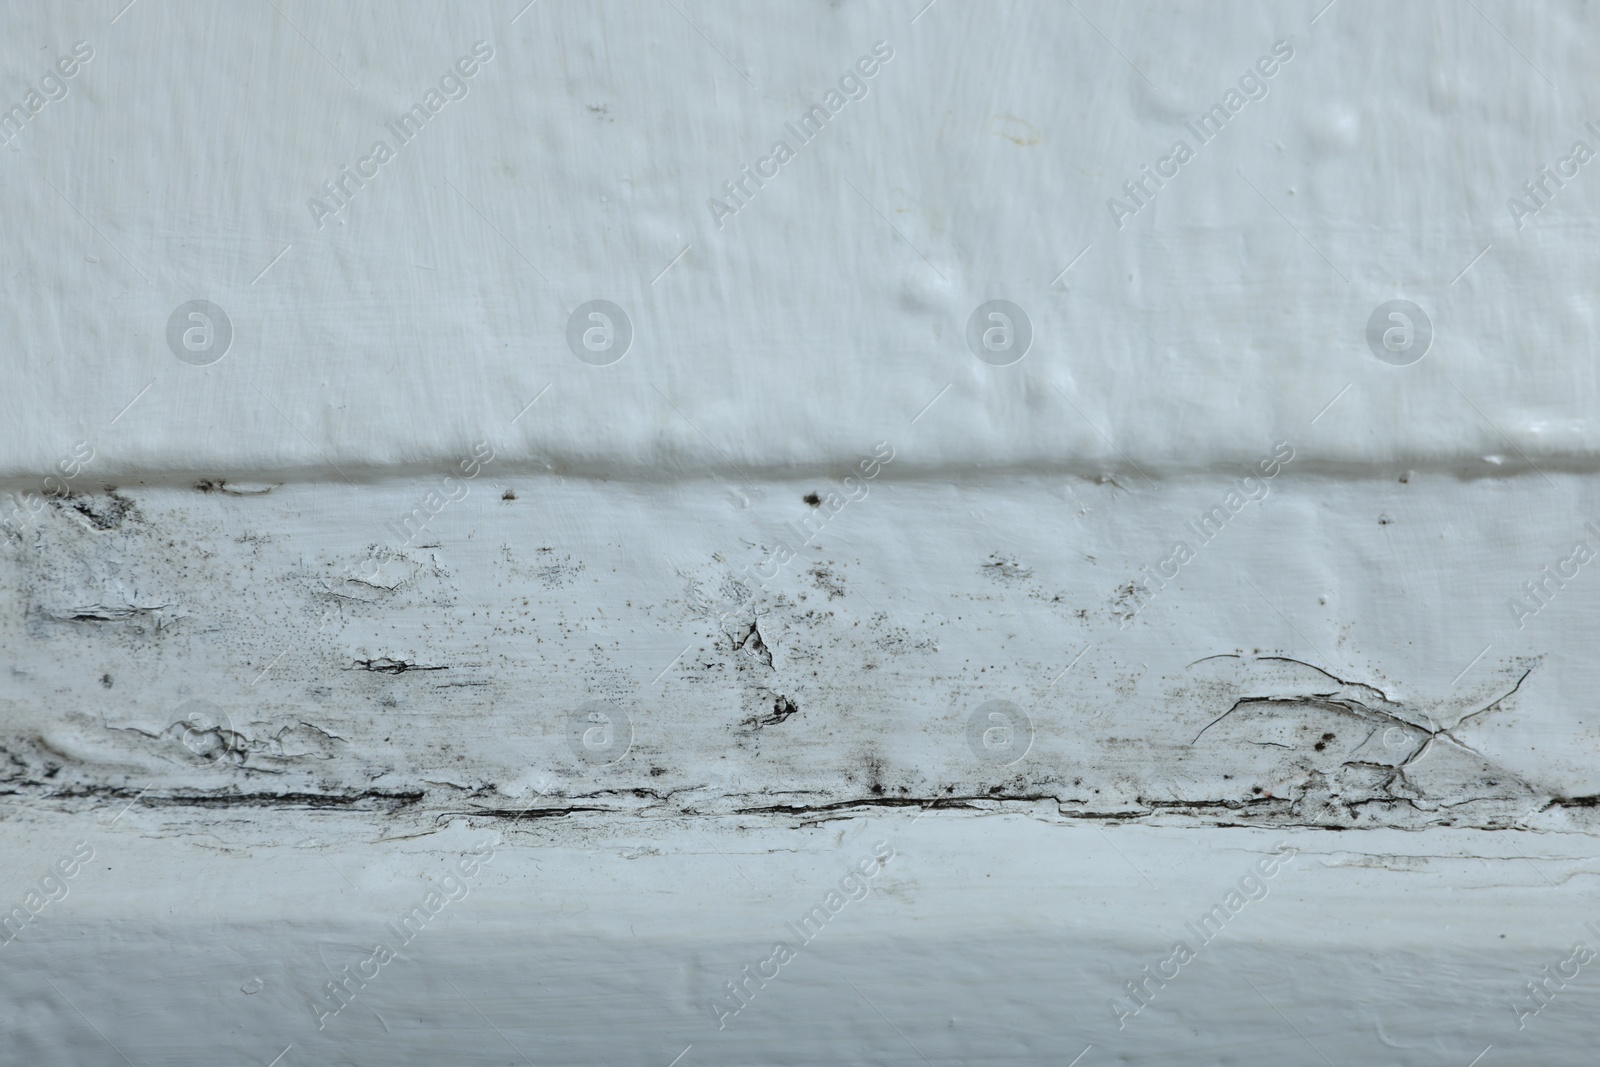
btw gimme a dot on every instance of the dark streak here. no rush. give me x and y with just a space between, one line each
385 665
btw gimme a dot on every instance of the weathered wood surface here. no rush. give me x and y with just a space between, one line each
619 647
797 663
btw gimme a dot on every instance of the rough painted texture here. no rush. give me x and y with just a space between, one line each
993 939
265 711
426 312
444 675
400 665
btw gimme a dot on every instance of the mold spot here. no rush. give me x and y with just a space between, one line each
753 644
1002 568
826 581
389 665
782 708
220 485
103 512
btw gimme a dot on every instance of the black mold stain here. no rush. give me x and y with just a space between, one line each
103 512
220 485
385 665
753 644
782 708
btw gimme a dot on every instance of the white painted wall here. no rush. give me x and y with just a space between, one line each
373 582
